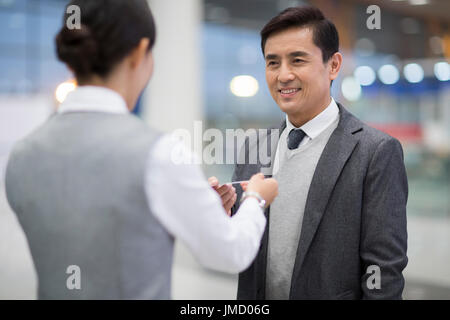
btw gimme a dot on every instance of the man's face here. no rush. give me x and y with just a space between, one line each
297 78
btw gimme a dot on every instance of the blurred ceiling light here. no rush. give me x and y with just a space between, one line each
436 45
388 74
64 89
365 75
244 86
418 2
365 47
351 89
442 71
413 72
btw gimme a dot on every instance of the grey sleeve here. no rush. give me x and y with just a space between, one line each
383 225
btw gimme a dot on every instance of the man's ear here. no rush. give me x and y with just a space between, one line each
138 54
335 64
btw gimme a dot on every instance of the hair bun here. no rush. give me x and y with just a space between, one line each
110 30
77 48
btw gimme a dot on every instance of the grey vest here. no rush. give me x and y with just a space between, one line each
77 187
294 178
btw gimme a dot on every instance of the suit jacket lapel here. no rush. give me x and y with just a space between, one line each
331 162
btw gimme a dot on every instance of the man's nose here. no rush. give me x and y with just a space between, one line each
285 74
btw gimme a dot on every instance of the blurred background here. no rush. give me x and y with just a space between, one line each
395 78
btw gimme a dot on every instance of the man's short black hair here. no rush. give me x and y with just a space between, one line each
325 35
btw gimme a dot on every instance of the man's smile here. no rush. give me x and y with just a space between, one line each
288 92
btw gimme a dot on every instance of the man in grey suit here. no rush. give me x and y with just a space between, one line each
338 227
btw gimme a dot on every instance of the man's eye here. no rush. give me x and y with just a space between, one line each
298 60
271 63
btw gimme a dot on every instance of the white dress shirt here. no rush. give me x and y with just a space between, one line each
312 128
181 198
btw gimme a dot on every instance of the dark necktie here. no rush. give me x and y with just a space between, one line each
295 137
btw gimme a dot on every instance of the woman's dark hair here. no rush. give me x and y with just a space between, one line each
325 35
110 29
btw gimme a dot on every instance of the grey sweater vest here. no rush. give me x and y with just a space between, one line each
77 187
286 212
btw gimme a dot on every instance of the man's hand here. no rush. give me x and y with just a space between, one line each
267 188
226 192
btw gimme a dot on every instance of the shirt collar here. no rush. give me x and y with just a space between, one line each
316 125
93 99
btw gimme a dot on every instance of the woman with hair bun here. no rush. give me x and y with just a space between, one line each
95 189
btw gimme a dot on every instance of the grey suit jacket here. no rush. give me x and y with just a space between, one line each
354 219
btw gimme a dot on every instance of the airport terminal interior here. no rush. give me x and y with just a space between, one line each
395 78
